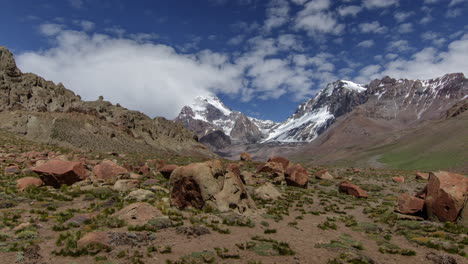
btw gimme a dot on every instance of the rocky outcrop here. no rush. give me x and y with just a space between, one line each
216 140
202 185
351 189
57 172
267 192
50 113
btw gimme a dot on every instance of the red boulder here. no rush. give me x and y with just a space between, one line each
297 176
23 183
351 189
167 170
408 204
108 170
57 172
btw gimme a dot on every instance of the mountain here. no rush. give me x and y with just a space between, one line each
50 113
211 121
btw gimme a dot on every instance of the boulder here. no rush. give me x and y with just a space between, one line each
267 192
351 189
446 195
140 195
201 185
13 169
233 167
108 170
283 161
125 185
167 170
408 204
23 183
297 176
399 179
244 156
323 175
422 176
272 168
144 170
57 172
248 178
138 213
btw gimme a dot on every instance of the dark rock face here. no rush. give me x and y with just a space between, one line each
50 113
216 140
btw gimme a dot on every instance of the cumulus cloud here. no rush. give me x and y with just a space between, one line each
152 78
277 14
366 43
379 3
315 19
424 64
373 27
349 10
405 28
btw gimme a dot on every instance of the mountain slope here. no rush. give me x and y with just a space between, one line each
49 113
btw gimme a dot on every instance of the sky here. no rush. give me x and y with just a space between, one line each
261 57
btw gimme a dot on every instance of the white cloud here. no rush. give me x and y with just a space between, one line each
299 2
379 3
148 77
50 29
85 24
454 12
352 10
426 63
277 14
373 27
366 43
402 16
405 28
399 46
236 40
315 19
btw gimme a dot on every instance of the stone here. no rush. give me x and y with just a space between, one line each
399 179
125 185
57 172
267 192
234 168
108 170
273 168
323 175
244 156
351 189
23 183
283 161
201 185
422 176
437 258
13 169
138 213
167 170
151 182
144 170
446 195
408 204
140 195
297 176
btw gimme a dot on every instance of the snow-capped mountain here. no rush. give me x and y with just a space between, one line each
402 102
208 114
317 114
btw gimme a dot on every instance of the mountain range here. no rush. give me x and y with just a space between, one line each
343 113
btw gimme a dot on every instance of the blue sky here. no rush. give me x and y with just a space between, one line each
262 57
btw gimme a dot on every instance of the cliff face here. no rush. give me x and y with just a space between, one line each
50 113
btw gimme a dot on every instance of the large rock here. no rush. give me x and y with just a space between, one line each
244 156
351 189
94 238
398 179
267 192
446 195
23 183
297 176
108 170
138 213
323 175
140 195
283 161
408 204
207 184
57 172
